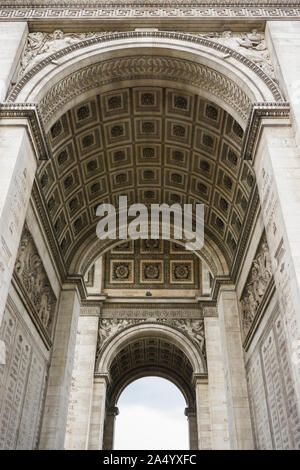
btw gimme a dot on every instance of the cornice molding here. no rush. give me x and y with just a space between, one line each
121 9
152 3
31 113
260 111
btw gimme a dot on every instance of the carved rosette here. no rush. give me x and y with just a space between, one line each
34 282
256 286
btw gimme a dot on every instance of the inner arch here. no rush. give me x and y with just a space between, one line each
151 415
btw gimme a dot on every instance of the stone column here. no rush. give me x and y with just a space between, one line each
206 288
203 414
81 393
216 385
277 166
109 427
240 429
191 415
60 374
18 162
13 37
283 40
98 412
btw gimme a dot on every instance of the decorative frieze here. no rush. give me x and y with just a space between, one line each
256 285
34 283
159 9
112 311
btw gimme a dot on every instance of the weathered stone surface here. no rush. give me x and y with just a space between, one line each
159 116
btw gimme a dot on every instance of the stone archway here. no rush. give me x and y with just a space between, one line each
142 350
235 102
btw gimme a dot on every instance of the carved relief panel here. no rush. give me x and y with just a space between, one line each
34 284
256 286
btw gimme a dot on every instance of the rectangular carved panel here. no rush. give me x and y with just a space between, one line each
22 382
34 284
273 401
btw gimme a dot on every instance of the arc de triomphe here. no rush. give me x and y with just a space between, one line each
176 102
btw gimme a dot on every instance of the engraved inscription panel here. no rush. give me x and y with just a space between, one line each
274 412
22 381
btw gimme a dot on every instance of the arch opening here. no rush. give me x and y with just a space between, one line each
150 350
151 416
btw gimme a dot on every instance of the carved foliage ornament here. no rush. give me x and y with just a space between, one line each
34 281
256 285
194 328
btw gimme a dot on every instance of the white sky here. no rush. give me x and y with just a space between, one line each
151 416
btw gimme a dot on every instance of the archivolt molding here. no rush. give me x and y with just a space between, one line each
98 74
144 67
150 329
193 328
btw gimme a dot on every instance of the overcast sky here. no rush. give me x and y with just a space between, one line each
151 416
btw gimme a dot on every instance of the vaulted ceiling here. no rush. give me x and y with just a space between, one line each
150 356
154 145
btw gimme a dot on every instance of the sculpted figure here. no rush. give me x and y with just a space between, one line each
35 44
32 275
104 330
266 256
259 286
244 41
248 305
23 256
255 37
58 41
40 45
45 308
227 39
252 301
199 335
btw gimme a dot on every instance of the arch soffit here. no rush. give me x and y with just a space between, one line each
185 389
147 329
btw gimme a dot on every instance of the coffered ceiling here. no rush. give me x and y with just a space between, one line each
154 145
